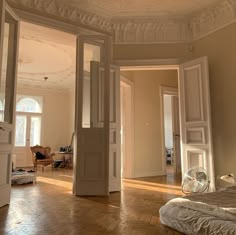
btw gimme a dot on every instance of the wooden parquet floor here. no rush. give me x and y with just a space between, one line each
48 207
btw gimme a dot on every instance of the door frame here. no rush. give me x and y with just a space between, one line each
67 28
129 128
7 127
164 90
144 64
154 64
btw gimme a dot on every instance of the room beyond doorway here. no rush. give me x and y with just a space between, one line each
147 132
170 130
46 78
127 128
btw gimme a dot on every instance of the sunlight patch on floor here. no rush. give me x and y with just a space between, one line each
68 176
168 186
154 188
56 182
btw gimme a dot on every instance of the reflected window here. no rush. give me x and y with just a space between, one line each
28 105
1 105
1 110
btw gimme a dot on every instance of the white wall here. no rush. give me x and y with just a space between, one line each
168 122
57 124
147 123
220 47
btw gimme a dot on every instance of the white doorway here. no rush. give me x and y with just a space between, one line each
127 128
45 94
171 131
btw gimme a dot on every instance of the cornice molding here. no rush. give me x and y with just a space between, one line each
150 31
213 18
66 12
130 30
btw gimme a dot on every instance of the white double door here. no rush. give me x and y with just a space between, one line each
27 133
9 30
195 118
97 127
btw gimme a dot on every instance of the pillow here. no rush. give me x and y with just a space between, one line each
39 155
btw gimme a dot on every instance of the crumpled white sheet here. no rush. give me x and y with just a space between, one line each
207 213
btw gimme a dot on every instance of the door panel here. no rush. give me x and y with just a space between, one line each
196 144
97 99
176 134
8 69
115 135
92 116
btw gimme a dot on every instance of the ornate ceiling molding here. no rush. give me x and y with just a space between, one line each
213 18
55 9
150 31
128 30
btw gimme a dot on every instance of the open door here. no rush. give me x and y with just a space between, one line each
176 134
8 69
94 128
114 129
195 117
97 119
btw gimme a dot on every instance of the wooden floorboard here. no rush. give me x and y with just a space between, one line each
48 207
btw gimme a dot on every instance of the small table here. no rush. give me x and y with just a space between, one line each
67 158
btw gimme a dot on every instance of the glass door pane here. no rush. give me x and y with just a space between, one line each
4 69
92 54
9 68
35 131
20 137
1 109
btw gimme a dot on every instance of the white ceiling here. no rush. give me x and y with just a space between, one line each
44 52
117 8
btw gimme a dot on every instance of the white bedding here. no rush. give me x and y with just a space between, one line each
208 213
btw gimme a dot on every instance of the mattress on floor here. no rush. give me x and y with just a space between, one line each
208 213
23 177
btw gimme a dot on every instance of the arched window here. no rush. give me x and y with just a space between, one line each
29 105
28 120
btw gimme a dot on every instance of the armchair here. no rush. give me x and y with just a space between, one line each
46 158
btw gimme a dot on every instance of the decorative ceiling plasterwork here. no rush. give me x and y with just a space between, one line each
140 8
213 18
140 30
151 30
73 14
40 58
154 31
45 52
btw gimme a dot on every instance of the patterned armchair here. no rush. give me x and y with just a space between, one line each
42 156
